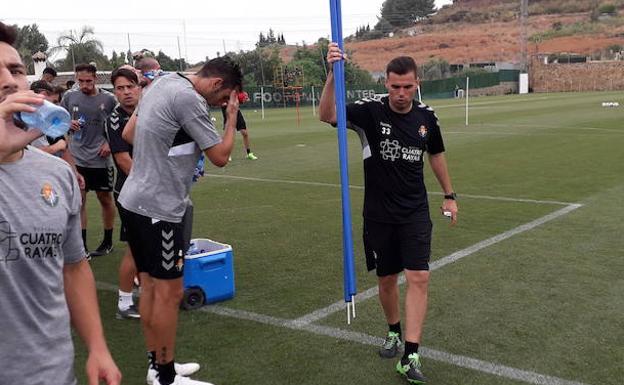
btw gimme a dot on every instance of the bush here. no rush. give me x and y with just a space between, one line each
608 9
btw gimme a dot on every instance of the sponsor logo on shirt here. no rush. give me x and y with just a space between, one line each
7 241
40 244
391 150
49 196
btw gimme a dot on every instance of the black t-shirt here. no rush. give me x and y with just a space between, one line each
393 146
115 125
240 121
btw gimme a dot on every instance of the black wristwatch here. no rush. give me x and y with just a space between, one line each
452 196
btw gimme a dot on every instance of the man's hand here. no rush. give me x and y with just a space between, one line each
334 54
81 180
75 125
450 205
61 145
232 107
104 150
21 101
100 366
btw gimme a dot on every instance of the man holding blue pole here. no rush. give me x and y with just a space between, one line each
395 131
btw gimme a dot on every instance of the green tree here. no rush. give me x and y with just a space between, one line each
404 13
29 41
117 60
80 47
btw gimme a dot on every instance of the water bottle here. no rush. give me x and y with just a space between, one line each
199 168
192 249
51 119
78 134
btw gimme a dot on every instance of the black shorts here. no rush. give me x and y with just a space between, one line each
158 247
390 248
240 122
123 232
97 179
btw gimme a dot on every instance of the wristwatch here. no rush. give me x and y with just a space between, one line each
452 196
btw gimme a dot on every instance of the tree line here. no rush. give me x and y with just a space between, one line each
259 66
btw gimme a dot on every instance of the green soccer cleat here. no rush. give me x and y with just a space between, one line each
251 156
410 368
391 346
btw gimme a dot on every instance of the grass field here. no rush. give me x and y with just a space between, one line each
533 291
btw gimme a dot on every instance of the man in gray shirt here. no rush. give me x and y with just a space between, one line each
89 108
173 127
45 280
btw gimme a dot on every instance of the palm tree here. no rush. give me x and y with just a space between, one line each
80 47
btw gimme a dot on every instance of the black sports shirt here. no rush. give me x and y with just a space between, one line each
393 148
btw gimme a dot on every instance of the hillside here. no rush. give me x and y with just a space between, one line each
472 31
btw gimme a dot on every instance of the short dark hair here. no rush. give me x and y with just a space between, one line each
70 83
8 33
125 73
146 63
402 65
224 68
50 70
86 67
41 85
59 90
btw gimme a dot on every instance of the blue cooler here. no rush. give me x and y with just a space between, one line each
208 273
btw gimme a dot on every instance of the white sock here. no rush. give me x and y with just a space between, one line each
125 300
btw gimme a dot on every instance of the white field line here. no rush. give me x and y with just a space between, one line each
323 184
365 339
549 127
305 323
454 257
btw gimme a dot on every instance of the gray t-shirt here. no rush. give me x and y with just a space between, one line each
39 234
173 126
85 145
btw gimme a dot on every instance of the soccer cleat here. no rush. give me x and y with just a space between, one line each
103 249
251 156
410 368
183 370
391 346
129 313
179 380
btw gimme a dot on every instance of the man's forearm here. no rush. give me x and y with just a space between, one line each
440 170
82 303
327 104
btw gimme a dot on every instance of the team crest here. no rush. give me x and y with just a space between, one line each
49 196
422 131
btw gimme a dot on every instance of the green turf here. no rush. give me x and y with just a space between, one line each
548 300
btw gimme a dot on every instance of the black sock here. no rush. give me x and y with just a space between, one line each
84 238
108 236
151 359
248 150
410 347
396 328
166 373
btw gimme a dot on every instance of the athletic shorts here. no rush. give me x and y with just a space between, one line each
123 232
98 179
391 248
158 247
240 122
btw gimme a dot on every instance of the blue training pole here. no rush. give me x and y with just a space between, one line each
350 285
